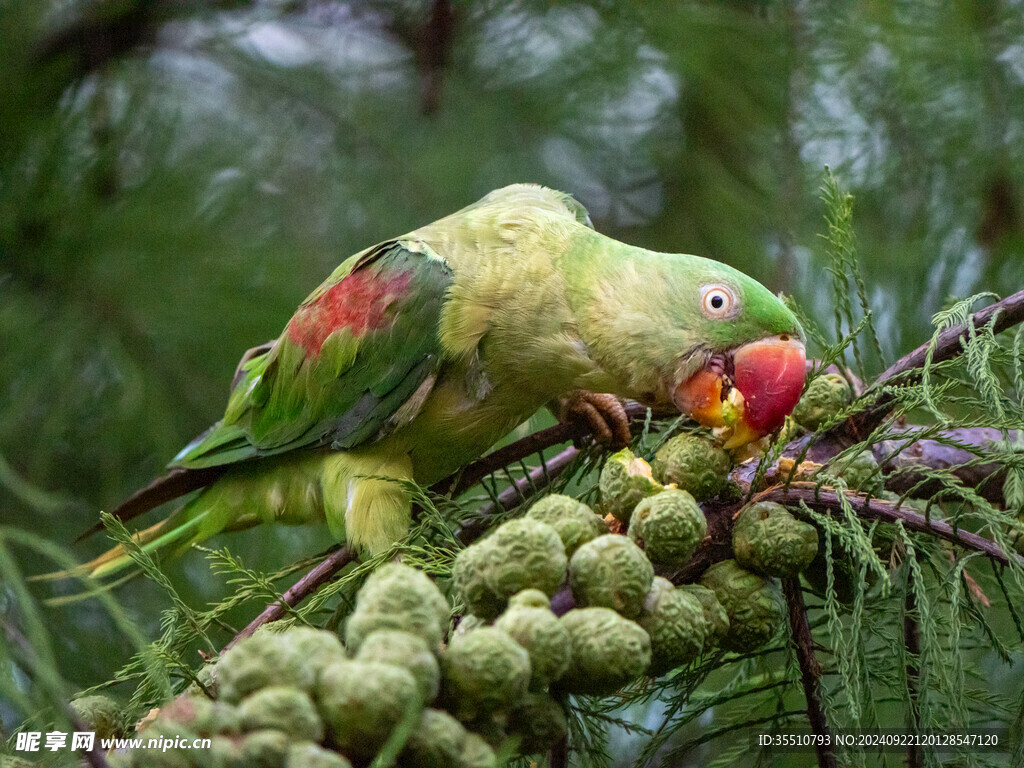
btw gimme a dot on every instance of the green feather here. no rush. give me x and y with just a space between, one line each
343 391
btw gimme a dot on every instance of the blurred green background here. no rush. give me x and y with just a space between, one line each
176 176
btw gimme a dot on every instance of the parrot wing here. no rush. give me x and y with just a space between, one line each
361 346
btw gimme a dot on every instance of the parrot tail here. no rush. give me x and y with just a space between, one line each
196 521
177 482
156 537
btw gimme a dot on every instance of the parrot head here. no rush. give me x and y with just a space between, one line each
738 361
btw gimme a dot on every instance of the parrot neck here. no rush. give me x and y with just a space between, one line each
617 297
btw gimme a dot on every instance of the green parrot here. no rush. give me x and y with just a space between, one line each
418 354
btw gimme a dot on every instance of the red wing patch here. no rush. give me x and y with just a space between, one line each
359 302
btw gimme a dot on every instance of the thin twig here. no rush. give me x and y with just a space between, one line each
810 671
949 344
298 592
879 509
520 449
717 545
517 493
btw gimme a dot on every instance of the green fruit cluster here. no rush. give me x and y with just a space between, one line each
496 683
302 699
626 623
271 708
521 554
511 657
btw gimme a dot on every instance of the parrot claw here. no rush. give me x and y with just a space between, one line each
602 414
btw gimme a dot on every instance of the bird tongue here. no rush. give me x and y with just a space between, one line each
770 375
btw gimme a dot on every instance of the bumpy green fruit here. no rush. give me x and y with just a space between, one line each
307 755
410 652
202 716
265 749
159 758
694 464
398 597
206 683
476 753
525 554
284 708
225 752
668 527
538 721
574 521
714 614
860 473
825 396
754 605
318 647
260 661
538 631
483 671
520 554
361 703
626 480
674 620
611 572
469 579
529 598
436 742
767 539
101 713
608 651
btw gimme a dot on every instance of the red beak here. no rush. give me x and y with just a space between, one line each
769 374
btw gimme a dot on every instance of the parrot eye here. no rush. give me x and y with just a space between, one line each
717 301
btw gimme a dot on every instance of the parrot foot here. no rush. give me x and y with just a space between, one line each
602 414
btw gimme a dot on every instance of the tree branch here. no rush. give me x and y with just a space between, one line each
558 757
539 441
880 509
298 592
906 468
516 494
810 670
907 369
1007 313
